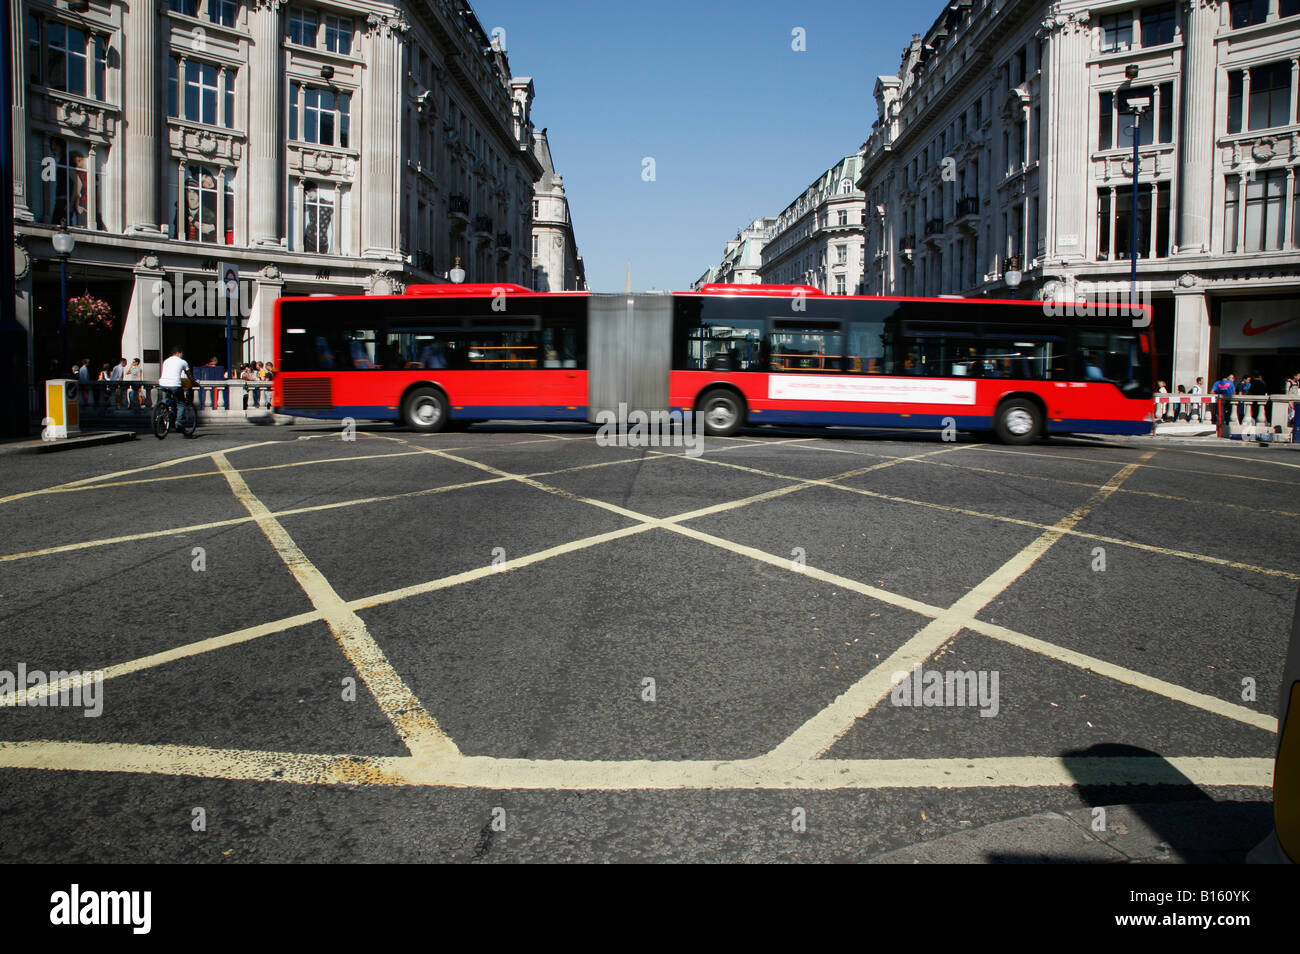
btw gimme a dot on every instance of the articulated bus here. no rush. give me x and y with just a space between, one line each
445 356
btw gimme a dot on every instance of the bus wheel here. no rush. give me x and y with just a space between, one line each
425 410
723 413
1018 421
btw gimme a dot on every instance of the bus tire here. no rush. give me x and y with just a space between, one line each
723 412
425 409
1017 421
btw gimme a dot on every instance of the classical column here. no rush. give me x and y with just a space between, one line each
261 323
140 110
142 331
265 84
1196 144
380 136
1191 334
18 110
1066 188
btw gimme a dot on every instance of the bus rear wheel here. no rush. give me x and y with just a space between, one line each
1018 421
723 412
425 409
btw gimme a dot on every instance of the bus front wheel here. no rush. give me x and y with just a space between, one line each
723 413
1018 421
425 410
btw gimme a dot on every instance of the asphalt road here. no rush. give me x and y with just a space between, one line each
514 644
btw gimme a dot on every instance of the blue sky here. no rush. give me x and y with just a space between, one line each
737 122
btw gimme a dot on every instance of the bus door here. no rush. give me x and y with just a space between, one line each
564 366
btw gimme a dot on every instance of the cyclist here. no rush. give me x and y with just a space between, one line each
174 369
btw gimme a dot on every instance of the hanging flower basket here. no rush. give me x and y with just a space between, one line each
91 313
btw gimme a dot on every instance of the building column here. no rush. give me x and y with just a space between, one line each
18 110
1198 91
381 170
261 319
140 110
1191 338
142 330
265 130
1065 97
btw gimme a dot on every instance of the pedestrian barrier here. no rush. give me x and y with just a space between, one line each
108 402
1185 406
1262 417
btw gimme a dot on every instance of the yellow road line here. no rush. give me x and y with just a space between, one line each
126 473
763 773
1094 460
816 736
1127 676
418 730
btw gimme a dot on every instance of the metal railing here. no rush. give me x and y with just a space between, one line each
105 402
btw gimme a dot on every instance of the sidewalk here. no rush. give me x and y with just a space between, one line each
1195 832
27 445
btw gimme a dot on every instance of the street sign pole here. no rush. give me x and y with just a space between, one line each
228 275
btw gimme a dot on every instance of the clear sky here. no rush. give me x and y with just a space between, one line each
737 122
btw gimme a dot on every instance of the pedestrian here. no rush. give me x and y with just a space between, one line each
134 375
1180 412
1196 401
1224 389
115 389
1162 403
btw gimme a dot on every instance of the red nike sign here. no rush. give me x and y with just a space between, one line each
1249 329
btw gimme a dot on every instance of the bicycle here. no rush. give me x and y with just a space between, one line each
165 413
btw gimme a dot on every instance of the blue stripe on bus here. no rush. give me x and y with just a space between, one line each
458 413
938 422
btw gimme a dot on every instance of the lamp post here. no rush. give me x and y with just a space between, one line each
63 243
1012 274
457 274
1136 105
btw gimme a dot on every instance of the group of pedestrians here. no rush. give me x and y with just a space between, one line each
1182 410
1253 385
122 383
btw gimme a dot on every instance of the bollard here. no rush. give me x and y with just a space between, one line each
62 410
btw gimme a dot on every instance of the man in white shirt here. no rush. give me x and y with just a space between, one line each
174 369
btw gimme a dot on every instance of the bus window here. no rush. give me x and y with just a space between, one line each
1113 356
360 352
503 344
866 348
425 343
733 346
1022 353
563 346
805 346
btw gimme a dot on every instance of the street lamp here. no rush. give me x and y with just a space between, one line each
63 243
1136 105
457 274
1012 274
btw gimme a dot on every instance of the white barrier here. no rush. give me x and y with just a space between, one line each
1185 405
1260 418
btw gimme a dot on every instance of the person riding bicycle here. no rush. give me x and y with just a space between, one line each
174 370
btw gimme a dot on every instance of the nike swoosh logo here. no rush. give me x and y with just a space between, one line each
1249 329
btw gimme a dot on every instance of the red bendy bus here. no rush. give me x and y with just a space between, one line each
444 356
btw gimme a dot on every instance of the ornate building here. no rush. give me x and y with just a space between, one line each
320 147
1007 134
557 266
818 239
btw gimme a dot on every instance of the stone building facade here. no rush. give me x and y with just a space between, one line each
319 147
557 266
1007 134
818 239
